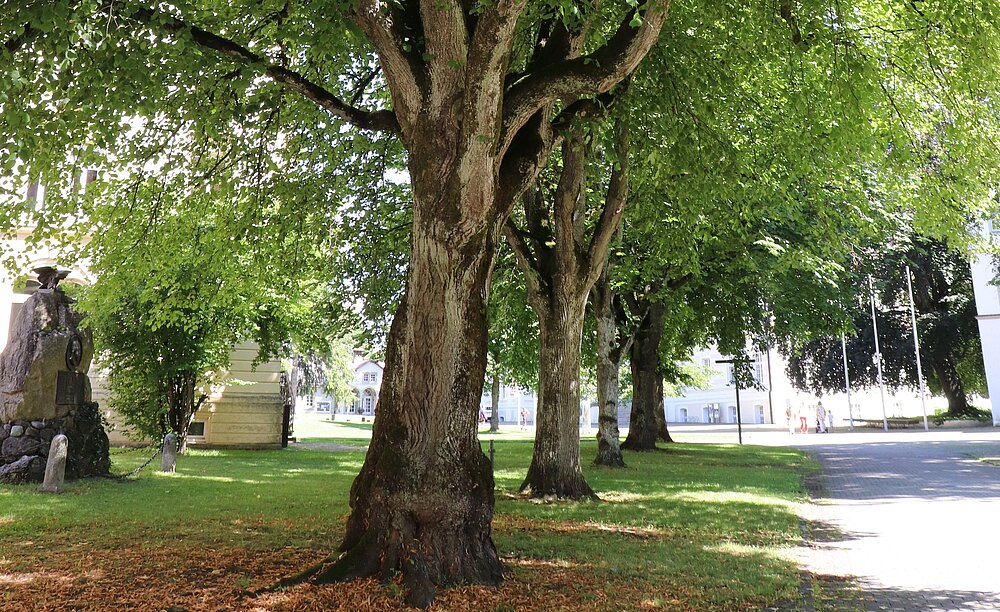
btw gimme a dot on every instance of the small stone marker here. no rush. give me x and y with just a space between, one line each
169 461
55 467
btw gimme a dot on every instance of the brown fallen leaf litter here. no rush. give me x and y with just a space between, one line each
179 579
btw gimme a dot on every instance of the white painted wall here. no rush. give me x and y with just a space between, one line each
988 315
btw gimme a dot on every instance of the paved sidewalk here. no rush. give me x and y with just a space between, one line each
905 520
912 515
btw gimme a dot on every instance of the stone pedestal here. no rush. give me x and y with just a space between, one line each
44 390
24 446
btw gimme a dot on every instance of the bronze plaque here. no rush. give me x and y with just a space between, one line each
74 352
69 389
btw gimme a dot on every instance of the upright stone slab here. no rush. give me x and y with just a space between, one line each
169 461
55 467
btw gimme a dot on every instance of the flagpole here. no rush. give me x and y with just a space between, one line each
916 348
847 382
878 354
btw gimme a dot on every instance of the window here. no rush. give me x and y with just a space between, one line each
323 407
760 413
732 414
369 377
196 428
684 415
309 401
758 370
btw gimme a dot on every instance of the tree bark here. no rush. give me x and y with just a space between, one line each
555 463
951 386
495 404
645 362
662 433
609 355
423 502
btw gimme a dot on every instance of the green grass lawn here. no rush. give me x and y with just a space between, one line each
693 527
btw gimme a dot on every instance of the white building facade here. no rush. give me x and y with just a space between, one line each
984 271
717 404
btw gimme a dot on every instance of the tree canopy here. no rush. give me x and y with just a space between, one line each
292 112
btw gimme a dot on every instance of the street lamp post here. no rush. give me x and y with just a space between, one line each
736 381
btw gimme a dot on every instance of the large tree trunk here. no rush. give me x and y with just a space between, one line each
423 502
951 386
645 362
662 433
609 356
555 464
560 266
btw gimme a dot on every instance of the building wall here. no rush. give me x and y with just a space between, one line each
717 403
988 315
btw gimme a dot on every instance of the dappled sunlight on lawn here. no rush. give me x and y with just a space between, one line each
733 496
182 475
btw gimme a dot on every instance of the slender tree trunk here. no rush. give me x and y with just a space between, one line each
495 404
609 356
561 265
645 362
555 464
951 386
662 433
183 401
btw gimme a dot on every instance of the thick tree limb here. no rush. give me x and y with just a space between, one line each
569 196
787 12
614 206
596 72
489 52
15 44
525 158
525 259
382 120
446 46
405 71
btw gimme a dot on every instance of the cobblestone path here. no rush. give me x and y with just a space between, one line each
904 521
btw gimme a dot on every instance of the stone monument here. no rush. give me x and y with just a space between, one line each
44 389
55 467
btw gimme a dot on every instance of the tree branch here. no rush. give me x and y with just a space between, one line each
525 260
405 71
382 120
596 72
17 43
614 206
569 198
787 13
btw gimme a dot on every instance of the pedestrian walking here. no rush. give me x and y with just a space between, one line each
829 419
820 418
803 419
788 419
